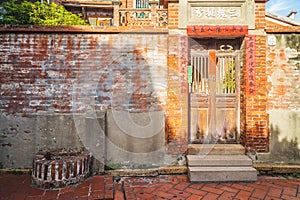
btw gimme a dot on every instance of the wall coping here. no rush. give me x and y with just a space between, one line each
82 29
292 29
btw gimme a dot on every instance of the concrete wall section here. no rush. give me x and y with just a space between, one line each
136 139
284 138
22 137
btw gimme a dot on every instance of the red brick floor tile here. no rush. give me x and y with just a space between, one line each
17 196
108 180
288 197
243 195
35 192
130 195
109 186
182 185
34 198
258 186
226 195
210 196
242 187
258 193
179 193
197 185
166 187
196 192
274 192
178 198
164 195
84 184
150 189
228 188
51 194
118 186
144 196
194 197
97 186
65 196
108 194
97 195
212 185
271 198
119 196
212 190
67 190
82 192
97 179
290 191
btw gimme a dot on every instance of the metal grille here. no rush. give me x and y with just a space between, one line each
226 73
200 65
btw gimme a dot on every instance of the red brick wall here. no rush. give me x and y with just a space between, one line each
73 73
254 119
69 73
283 73
177 107
173 9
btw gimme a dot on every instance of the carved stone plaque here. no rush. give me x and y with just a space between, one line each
219 12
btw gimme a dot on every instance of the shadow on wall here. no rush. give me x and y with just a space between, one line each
285 151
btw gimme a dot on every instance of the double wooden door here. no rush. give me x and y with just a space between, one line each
214 94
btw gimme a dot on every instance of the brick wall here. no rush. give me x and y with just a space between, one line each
283 98
177 107
283 73
173 9
47 77
254 118
69 73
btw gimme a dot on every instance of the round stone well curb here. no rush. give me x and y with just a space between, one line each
59 168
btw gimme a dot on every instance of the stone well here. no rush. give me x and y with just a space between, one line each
59 168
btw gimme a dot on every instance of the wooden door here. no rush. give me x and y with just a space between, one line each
214 95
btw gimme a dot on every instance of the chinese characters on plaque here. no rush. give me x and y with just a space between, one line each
226 30
250 65
215 12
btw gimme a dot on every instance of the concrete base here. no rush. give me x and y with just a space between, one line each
212 174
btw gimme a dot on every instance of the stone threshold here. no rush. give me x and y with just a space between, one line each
175 170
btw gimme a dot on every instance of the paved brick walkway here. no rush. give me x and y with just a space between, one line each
163 187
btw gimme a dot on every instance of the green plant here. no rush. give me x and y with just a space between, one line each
1 165
112 166
229 84
38 13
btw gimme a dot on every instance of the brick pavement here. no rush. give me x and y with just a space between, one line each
162 187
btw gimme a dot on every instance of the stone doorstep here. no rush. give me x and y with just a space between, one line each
212 174
172 170
216 149
218 160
